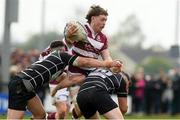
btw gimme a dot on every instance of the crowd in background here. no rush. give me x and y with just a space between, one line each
156 94
151 94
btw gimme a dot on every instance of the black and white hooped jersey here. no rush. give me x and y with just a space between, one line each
41 71
105 80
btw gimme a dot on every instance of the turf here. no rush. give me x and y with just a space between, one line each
155 117
129 117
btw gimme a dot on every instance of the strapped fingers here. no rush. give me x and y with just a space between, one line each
117 64
119 61
71 29
116 69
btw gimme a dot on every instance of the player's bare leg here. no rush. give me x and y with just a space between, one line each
95 116
62 110
15 114
73 93
76 112
114 114
36 108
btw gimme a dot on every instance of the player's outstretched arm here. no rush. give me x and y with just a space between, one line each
122 101
89 62
123 106
67 82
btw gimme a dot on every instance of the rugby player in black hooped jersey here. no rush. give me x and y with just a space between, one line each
94 94
22 87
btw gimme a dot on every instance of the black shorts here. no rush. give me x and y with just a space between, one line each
18 95
95 99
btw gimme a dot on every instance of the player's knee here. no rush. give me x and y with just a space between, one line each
61 115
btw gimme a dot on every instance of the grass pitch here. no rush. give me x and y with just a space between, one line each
127 117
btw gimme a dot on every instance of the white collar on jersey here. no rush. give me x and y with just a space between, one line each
94 43
92 31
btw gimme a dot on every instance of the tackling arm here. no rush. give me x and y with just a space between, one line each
89 62
123 104
67 82
61 77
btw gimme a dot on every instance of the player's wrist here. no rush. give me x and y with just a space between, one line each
107 63
114 63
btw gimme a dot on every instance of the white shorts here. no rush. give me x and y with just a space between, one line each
60 96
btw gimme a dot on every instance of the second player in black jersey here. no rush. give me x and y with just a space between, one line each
94 94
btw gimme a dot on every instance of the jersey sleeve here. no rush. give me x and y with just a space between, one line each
67 58
122 92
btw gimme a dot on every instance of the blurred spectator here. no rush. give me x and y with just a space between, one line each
148 94
159 88
176 92
34 53
167 97
138 99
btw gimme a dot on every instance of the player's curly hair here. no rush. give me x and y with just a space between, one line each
56 43
95 10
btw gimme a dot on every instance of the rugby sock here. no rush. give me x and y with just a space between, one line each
51 115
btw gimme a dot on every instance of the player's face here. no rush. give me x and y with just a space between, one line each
98 22
62 49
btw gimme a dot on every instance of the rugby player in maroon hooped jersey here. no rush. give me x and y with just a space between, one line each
96 44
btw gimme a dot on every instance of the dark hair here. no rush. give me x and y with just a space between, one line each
95 10
56 43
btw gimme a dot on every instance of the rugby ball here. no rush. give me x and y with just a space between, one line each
79 35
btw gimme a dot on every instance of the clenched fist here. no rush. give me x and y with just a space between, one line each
117 69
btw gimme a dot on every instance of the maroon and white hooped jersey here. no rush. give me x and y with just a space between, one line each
91 48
